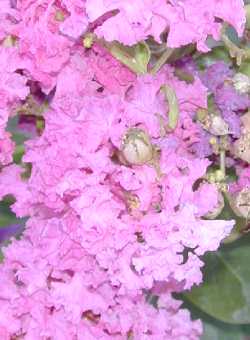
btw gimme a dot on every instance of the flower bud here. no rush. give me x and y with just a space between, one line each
219 175
59 16
137 148
218 126
241 83
215 124
241 203
88 40
241 148
213 141
9 41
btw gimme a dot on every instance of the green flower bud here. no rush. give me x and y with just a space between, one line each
241 203
137 148
241 147
88 40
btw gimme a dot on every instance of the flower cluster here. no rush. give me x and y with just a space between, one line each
186 21
116 199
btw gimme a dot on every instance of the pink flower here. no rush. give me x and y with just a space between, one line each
120 79
103 230
6 148
187 21
76 23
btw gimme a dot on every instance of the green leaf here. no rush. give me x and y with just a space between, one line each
222 331
6 215
225 293
245 67
136 58
217 53
217 330
173 106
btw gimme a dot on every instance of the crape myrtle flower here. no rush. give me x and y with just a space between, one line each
112 195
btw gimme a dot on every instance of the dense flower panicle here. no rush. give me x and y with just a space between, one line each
103 228
123 223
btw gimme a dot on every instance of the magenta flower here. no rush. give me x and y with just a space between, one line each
116 194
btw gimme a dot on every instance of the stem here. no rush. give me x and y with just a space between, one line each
234 50
247 9
161 61
223 162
